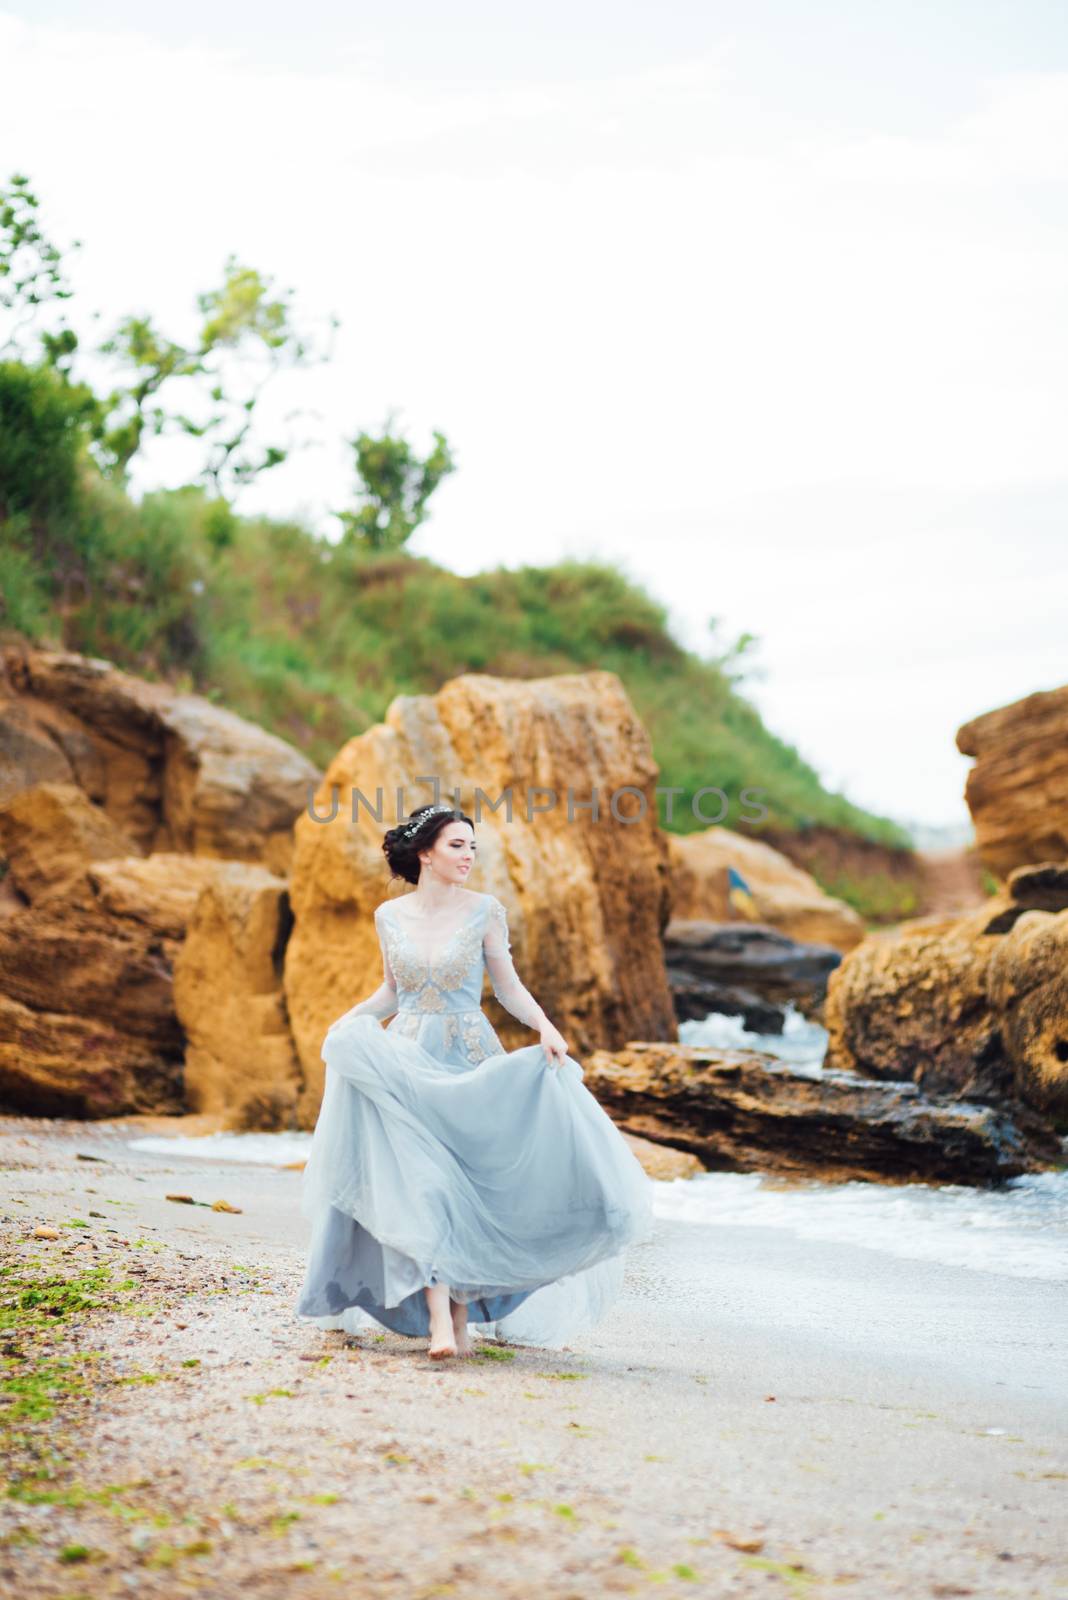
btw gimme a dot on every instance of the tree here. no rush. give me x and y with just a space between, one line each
31 277
42 439
396 486
46 537
246 338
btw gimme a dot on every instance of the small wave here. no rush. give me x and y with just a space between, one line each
1019 1230
802 1043
261 1149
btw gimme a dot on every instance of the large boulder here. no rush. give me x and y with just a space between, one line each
87 1023
28 752
743 1111
1017 791
160 891
121 803
56 1065
89 943
50 835
240 1060
910 1003
974 1005
1027 986
172 771
587 899
84 963
784 896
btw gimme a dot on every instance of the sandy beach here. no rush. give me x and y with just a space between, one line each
757 1416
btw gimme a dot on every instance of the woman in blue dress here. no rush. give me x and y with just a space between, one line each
450 1180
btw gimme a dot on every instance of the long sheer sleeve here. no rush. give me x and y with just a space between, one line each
383 1002
496 950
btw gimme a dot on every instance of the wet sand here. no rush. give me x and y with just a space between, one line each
758 1416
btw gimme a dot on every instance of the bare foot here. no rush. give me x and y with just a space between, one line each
464 1346
442 1341
442 1337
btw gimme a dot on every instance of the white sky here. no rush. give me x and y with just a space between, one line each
761 300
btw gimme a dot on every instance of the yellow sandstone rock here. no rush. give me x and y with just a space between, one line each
1028 990
975 1005
50 835
1017 791
159 890
239 1057
56 1065
786 897
172 771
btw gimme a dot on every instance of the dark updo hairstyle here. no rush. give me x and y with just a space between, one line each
403 854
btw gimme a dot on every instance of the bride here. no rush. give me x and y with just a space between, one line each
450 1179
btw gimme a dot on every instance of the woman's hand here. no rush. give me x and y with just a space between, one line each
554 1044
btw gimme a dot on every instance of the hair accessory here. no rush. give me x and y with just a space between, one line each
418 823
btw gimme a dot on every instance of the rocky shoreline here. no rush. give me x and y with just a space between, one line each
739 1110
177 930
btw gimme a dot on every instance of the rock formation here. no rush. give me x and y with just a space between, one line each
587 899
1017 791
228 995
153 958
89 939
160 891
121 803
785 896
741 1110
50 836
974 1005
87 1025
1028 988
56 1065
172 771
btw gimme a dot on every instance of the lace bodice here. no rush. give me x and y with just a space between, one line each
437 965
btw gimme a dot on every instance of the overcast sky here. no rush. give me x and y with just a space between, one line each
762 301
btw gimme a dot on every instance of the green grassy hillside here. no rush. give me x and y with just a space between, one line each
313 639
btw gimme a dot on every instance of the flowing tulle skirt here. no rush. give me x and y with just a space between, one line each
506 1181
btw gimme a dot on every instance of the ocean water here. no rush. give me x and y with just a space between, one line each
802 1043
261 1149
1019 1229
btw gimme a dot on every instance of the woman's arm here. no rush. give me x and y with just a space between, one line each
512 994
383 1002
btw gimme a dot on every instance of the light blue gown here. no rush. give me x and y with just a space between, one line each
440 1157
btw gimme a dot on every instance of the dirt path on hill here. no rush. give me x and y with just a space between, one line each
951 881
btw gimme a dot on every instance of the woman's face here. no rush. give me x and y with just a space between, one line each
452 855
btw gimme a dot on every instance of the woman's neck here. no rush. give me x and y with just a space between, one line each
430 894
